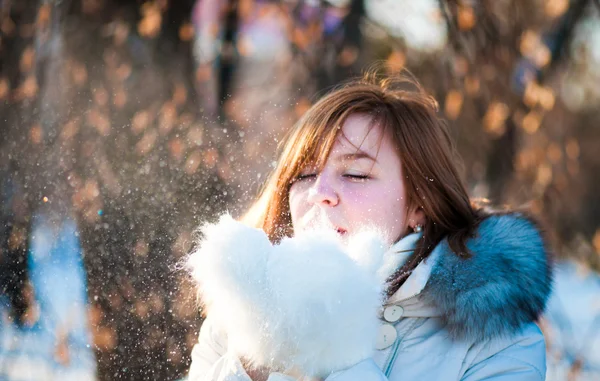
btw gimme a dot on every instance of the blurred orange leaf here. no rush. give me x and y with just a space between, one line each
43 16
179 94
214 29
4 88
79 73
193 162
90 190
542 56
532 121
157 303
204 73
146 143
91 6
27 60
348 56
167 118
300 38
99 121
186 32
151 21
544 175
32 314
120 33
94 315
596 241
554 153
245 8
531 94
36 134
532 47
17 238
461 65
105 338
108 176
536 94
555 8
466 18
572 149
62 354
111 58
225 171
211 156
28 88
123 71
176 148
185 120
529 41
141 248
142 310
301 106
195 136
7 26
453 104
245 46
472 84
69 129
495 117
395 61
525 160
120 98
140 121
547 98
100 96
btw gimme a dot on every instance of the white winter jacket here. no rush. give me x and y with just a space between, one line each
461 319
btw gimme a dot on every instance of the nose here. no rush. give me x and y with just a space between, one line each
323 192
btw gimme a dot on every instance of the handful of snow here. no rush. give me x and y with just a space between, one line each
308 303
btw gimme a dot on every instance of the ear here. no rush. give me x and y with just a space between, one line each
416 217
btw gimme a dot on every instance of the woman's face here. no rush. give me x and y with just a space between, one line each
360 186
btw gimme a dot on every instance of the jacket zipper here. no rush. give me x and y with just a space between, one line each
389 364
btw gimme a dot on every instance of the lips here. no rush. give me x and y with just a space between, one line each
322 223
341 231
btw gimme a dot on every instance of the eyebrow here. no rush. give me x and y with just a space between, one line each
356 156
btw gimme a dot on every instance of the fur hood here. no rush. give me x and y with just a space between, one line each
504 285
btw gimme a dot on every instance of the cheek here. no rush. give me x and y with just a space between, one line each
396 212
384 207
297 204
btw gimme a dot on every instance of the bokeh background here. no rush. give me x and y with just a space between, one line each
124 124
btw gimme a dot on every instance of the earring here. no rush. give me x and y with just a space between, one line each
418 228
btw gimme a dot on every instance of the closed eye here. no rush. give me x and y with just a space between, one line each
356 177
305 177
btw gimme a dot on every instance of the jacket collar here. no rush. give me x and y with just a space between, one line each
504 284
417 280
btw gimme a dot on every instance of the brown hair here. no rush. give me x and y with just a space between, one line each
409 117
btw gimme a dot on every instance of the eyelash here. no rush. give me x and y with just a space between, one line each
358 178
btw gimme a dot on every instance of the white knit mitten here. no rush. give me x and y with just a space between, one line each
309 303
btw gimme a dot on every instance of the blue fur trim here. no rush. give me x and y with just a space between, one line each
504 285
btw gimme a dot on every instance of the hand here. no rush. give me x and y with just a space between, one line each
293 373
260 373
297 375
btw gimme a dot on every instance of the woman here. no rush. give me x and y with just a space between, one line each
463 304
